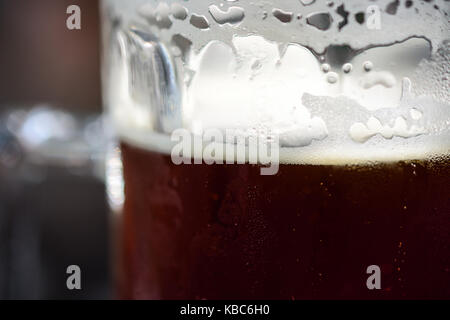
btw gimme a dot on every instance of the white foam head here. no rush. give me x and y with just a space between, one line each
333 88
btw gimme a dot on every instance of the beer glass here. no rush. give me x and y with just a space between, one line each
279 149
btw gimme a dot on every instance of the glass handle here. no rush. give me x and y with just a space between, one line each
151 77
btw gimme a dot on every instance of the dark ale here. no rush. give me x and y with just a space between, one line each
354 96
311 231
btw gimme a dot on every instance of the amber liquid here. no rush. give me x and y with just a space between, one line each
310 232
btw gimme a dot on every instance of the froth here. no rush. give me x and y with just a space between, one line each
346 102
349 154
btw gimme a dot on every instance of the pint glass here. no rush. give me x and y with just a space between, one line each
279 149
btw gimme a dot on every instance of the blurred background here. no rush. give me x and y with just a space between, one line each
53 211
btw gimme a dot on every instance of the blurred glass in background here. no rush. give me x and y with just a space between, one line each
52 200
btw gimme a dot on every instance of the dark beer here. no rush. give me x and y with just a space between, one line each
355 98
311 231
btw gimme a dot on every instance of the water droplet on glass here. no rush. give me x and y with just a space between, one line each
326 67
368 66
199 22
321 20
347 68
283 16
332 78
307 2
232 15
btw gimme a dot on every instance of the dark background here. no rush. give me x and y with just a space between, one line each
50 217
42 61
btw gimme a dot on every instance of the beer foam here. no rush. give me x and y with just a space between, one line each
329 94
236 91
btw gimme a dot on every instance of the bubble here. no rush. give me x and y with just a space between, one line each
347 68
325 68
368 66
332 78
178 11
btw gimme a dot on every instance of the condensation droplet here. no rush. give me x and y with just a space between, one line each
283 16
178 11
392 7
232 15
332 78
368 66
307 2
199 22
347 68
326 67
321 20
